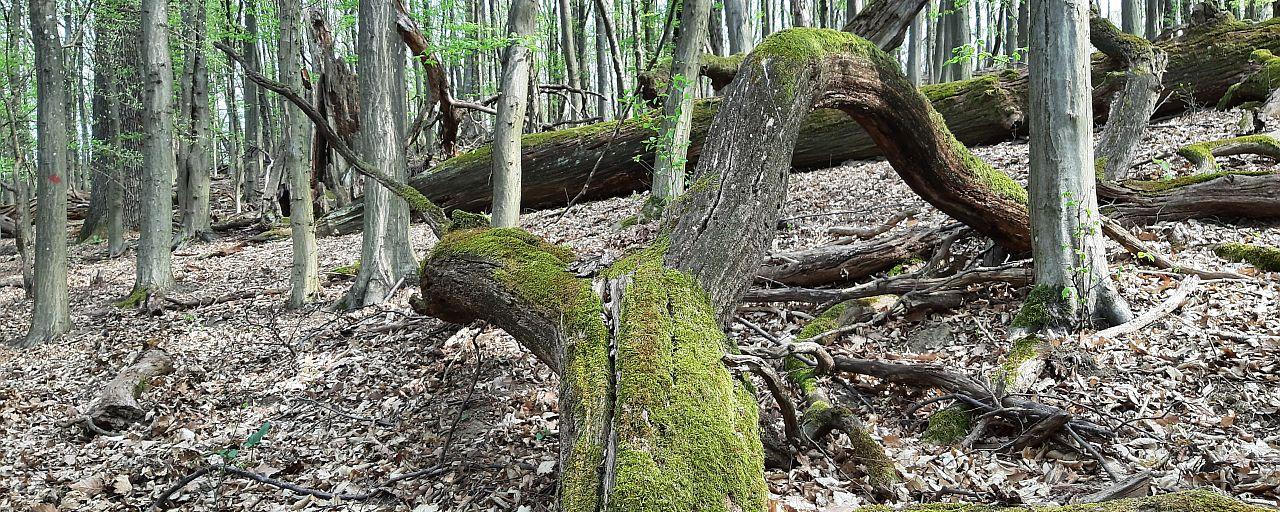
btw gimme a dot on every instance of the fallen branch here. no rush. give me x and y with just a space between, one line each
1017 273
1145 254
117 405
1174 302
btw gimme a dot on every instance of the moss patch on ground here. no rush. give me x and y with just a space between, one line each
948 426
1265 257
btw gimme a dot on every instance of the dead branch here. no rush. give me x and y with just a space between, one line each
872 232
1174 302
1017 273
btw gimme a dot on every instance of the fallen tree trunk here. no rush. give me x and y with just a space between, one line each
117 405
838 263
1199 196
988 109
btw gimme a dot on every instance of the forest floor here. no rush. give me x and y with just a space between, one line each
352 399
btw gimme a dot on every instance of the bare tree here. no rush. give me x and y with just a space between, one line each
1073 285
155 202
51 314
385 255
677 111
304 278
509 124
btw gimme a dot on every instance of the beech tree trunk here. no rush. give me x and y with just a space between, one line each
304 276
385 255
1067 244
677 109
51 313
197 163
155 226
509 123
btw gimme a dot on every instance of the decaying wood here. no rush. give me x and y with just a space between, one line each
117 407
833 264
1224 196
1016 273
1202 155
1175 301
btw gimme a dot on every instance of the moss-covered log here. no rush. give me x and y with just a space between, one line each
558 165
1219 194
1256 86
1265 257
1202 154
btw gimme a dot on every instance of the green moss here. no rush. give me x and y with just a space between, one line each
1157 186
948 426
535 270
1264 257
467 220
867 451
1201 154
135 298
1041 307
1100 168
788 52
1257 86
686 429
901 268
346 270
628 221
801 374
1024 351
1186 501
140 387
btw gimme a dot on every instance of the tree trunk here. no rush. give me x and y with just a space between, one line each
304 276
960 34
801 13
1073 284
914 49
509 123
1135 99
735 17
569 50
385 255
1130 14
677 110
51 312
155 262
1153 20
253 139
197 164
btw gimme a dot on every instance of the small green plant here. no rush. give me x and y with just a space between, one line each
229 454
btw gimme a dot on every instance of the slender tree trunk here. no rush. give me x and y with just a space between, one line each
1067 242
941 50
253 143
117 166
914 44
1024 22
669 170
51 314
604 56
198 164
960 34
716 31
304 278
801 13
155 265
1153 20
569 49
509 123
735 14
1011 35
385 256
1130 16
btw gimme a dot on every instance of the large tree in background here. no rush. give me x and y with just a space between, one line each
196 161
155 201
677 108
385 255
509 124
304 279
1073 284
51 315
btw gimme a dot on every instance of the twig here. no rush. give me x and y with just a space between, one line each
790 420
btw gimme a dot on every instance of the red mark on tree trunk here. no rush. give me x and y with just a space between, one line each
55 179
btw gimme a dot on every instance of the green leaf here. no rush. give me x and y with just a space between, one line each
257 436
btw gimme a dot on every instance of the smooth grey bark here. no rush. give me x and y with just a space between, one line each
1067 241
509 123
959 34
115 174
1130 16
155 201
677 109
51 313
17 140
801 13
604 80
941 48
1153 20
253 148
1009 42
385 255
304 277
915 42
1135 98
1024 22
569 50
197 163
737 25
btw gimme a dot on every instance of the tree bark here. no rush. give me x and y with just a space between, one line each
509 123
304 276
197 163
51 312
735 17
1135 99
385 255
253 138
1073 282
677 109
155 262
117 407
